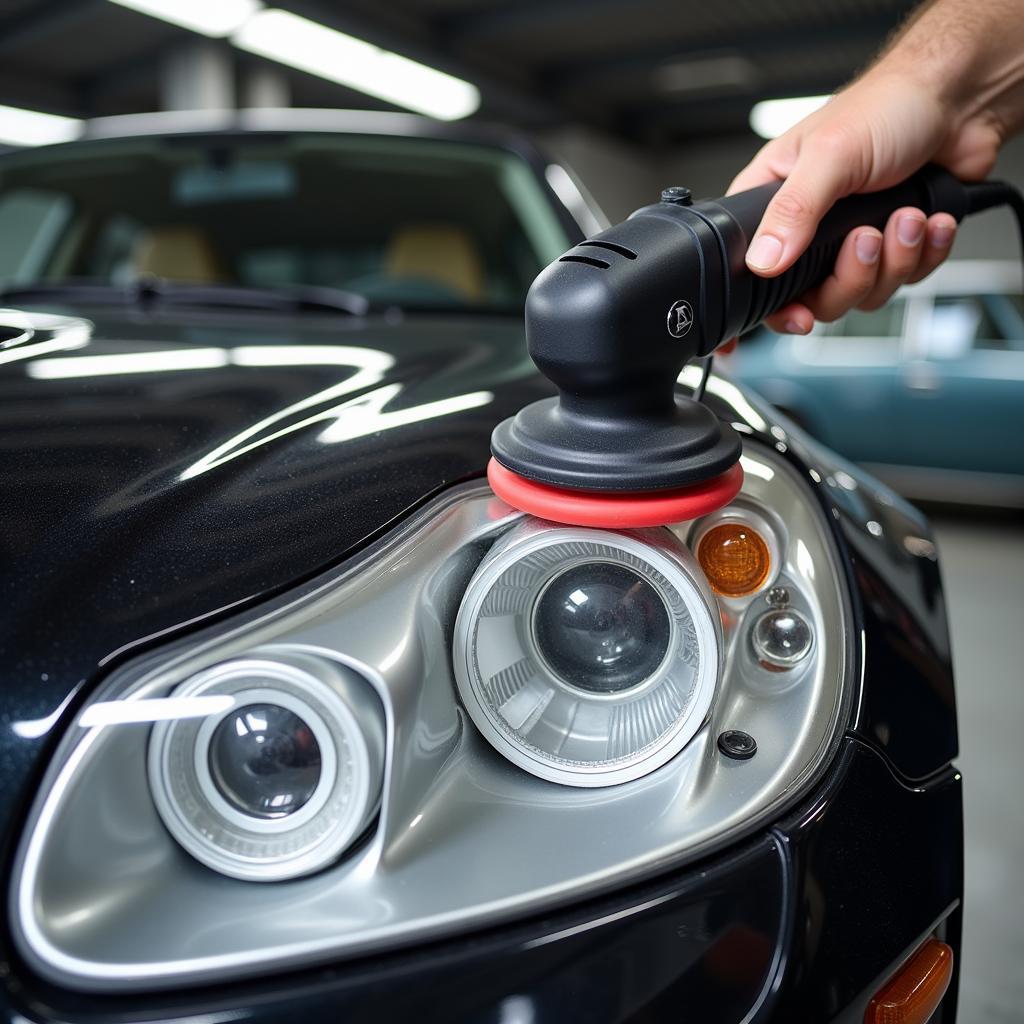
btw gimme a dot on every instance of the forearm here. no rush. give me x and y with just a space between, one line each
948 89
970 53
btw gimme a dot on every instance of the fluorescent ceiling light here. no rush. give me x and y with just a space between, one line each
209 17
309 46
33 128
771 118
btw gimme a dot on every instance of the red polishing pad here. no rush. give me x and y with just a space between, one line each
610 509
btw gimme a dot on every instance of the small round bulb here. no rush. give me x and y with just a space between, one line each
781 638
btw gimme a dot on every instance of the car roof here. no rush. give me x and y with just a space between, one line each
296 119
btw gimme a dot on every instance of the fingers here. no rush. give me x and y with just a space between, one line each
795 318
854 277
820 176
871 266
902 250
937 244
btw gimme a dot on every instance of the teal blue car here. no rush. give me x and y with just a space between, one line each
927 392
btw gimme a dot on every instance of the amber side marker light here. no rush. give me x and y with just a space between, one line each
914 994
735 559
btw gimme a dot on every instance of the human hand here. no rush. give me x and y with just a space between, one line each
872 135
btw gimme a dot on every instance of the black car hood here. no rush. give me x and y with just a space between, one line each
155 471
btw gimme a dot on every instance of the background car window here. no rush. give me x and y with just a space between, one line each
962 323
886 322
418 223
859 339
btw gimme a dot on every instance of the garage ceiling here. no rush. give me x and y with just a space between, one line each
653 71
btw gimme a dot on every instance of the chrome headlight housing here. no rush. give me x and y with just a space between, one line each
480 716
587 657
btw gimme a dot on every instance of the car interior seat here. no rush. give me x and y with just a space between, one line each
441 254
177 253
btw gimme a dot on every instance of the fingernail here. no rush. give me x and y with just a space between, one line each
764 252
942 236
868 247
794 327
910 229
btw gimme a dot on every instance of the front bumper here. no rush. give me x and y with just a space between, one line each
800 924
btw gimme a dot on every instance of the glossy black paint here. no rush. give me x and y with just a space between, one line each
877 866
801 924
907 704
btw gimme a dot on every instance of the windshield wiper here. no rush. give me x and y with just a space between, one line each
295 297
148 293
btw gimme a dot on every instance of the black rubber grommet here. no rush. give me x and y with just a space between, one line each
740 746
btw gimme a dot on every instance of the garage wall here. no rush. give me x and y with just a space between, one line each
621 178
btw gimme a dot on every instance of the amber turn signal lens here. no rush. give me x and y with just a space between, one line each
914 994
734 558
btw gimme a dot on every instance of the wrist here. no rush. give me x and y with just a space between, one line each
967 54
936 72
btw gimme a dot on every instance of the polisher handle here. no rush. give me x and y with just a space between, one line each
752 298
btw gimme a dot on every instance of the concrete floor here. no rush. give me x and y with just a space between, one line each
983 566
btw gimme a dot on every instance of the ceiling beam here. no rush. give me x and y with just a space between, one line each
666 121
868 33
43 20
463 26
36 93
535 16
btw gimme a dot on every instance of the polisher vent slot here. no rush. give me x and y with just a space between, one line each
600 264
612 247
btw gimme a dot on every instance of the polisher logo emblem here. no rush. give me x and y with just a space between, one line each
680 318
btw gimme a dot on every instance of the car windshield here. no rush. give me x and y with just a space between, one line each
407 222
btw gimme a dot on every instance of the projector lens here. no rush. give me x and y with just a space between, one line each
587 657
602 627
265 760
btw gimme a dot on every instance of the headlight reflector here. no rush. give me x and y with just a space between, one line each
587 657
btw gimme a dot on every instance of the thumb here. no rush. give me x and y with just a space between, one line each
817 180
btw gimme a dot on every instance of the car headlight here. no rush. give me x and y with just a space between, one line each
282 780
478 717
587 657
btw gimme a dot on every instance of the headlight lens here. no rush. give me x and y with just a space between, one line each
265 760
587 657
601 627
283 780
